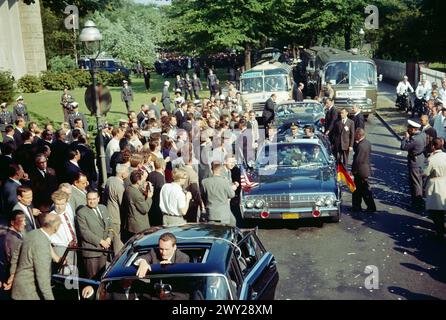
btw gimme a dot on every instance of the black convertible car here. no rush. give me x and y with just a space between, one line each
293 180
226 263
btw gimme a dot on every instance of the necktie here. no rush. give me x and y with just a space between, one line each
43 173
98 213
33 222
73 234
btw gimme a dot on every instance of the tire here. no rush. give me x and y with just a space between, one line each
336 218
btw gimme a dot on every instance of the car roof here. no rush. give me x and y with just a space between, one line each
220 240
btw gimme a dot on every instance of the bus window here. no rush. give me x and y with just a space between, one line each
363 73
277 83
252 85
337 73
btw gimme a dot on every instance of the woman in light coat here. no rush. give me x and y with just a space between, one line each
436 186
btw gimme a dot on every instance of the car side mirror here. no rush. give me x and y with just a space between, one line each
380 78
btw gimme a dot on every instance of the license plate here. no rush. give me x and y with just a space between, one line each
290 216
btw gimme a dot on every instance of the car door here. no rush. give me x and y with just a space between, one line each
258 268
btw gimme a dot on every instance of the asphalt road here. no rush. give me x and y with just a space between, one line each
329 262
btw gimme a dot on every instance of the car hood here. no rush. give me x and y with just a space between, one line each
287 180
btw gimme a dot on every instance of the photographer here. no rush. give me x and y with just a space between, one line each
136 204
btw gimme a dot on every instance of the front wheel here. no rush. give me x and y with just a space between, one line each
336 218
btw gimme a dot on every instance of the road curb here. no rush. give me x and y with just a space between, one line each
388 126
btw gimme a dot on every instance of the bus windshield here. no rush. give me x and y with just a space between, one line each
252 85
275 83
361 73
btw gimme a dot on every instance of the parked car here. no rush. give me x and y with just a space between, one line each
226 263
292 180
108 64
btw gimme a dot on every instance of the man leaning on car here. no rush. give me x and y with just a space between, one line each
167 253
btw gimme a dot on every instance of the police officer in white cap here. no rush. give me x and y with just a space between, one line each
414 143
127 95
165 97
20 110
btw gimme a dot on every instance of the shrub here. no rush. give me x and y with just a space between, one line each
6 86
104 77
116 79
82 77
57 81
60 64
30 84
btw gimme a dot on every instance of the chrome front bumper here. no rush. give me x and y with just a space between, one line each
284 214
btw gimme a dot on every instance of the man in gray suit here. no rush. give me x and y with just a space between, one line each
165 97
13 243
113 193
79 192
217 192
95 231
136 204
32 280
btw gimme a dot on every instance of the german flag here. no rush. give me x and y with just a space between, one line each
344 176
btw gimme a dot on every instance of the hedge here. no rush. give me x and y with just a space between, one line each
57 81
30 84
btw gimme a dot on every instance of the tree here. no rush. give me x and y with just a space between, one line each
207 26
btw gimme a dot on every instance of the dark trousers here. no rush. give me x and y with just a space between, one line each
416 185
95 266
363 192
187 93
342 156
196 94
437 217
195 204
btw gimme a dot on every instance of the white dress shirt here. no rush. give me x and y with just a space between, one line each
63 235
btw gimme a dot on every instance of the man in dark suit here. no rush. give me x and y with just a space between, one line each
72 168
268 111
361 172
9 188
9 137
146 76
180 114
167 253
59 153
32 280
25 205
298 94
5 160
358 117
344 137
43 183
19 129
136 204
86 162
95 231
331 116
142 114
24 155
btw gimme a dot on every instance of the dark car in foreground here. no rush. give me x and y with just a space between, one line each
226 263
294 180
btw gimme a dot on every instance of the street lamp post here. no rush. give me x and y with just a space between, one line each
361 35
91 38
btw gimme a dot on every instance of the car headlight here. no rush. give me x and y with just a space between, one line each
249 204
319 201
369 101
259 203
329 201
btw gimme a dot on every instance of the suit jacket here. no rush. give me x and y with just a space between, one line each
18 137
9 196
86 163
4 165
92 229
359 121
32 279
71 171
113 193
43 188
165 98
181 118
216 194
58 157
75 115
154 257
25 154
268 110
12 245
78 199
330 118
11 141
361 158
135 209
29 224
344 135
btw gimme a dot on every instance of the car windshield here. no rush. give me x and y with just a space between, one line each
363 73
294 155
168 287
285 110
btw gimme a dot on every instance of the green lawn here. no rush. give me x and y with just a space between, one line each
44 106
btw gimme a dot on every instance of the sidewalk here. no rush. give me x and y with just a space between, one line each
394 118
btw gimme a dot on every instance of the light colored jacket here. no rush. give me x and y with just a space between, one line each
436 184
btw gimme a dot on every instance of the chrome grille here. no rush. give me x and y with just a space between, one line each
287 201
